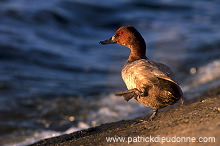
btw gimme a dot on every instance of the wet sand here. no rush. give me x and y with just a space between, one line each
200 118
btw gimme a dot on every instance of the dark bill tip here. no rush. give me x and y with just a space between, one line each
109 41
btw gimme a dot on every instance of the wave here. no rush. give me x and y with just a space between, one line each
202 79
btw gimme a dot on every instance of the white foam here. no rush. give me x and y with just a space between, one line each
114 108
208 73
37 136
202 79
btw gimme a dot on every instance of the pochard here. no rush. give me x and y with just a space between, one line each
149 82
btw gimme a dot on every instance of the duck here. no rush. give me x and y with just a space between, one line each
150 83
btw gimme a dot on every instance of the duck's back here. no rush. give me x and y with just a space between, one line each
154 80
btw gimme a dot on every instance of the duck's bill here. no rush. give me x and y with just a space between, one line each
109 41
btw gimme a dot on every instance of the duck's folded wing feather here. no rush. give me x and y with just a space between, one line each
143 74
152 69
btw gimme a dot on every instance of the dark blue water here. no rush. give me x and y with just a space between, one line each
55 78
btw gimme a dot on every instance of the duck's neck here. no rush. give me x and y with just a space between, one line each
137 52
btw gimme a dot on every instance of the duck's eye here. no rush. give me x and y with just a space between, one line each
120 32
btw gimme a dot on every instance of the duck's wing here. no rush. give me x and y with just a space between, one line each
166 74
160 71
142 74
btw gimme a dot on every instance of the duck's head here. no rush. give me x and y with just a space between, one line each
127 36
131 38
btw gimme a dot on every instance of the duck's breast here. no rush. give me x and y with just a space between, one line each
128 76
138 75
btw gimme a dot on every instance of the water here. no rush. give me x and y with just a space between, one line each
55 78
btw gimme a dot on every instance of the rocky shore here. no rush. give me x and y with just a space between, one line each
199 120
